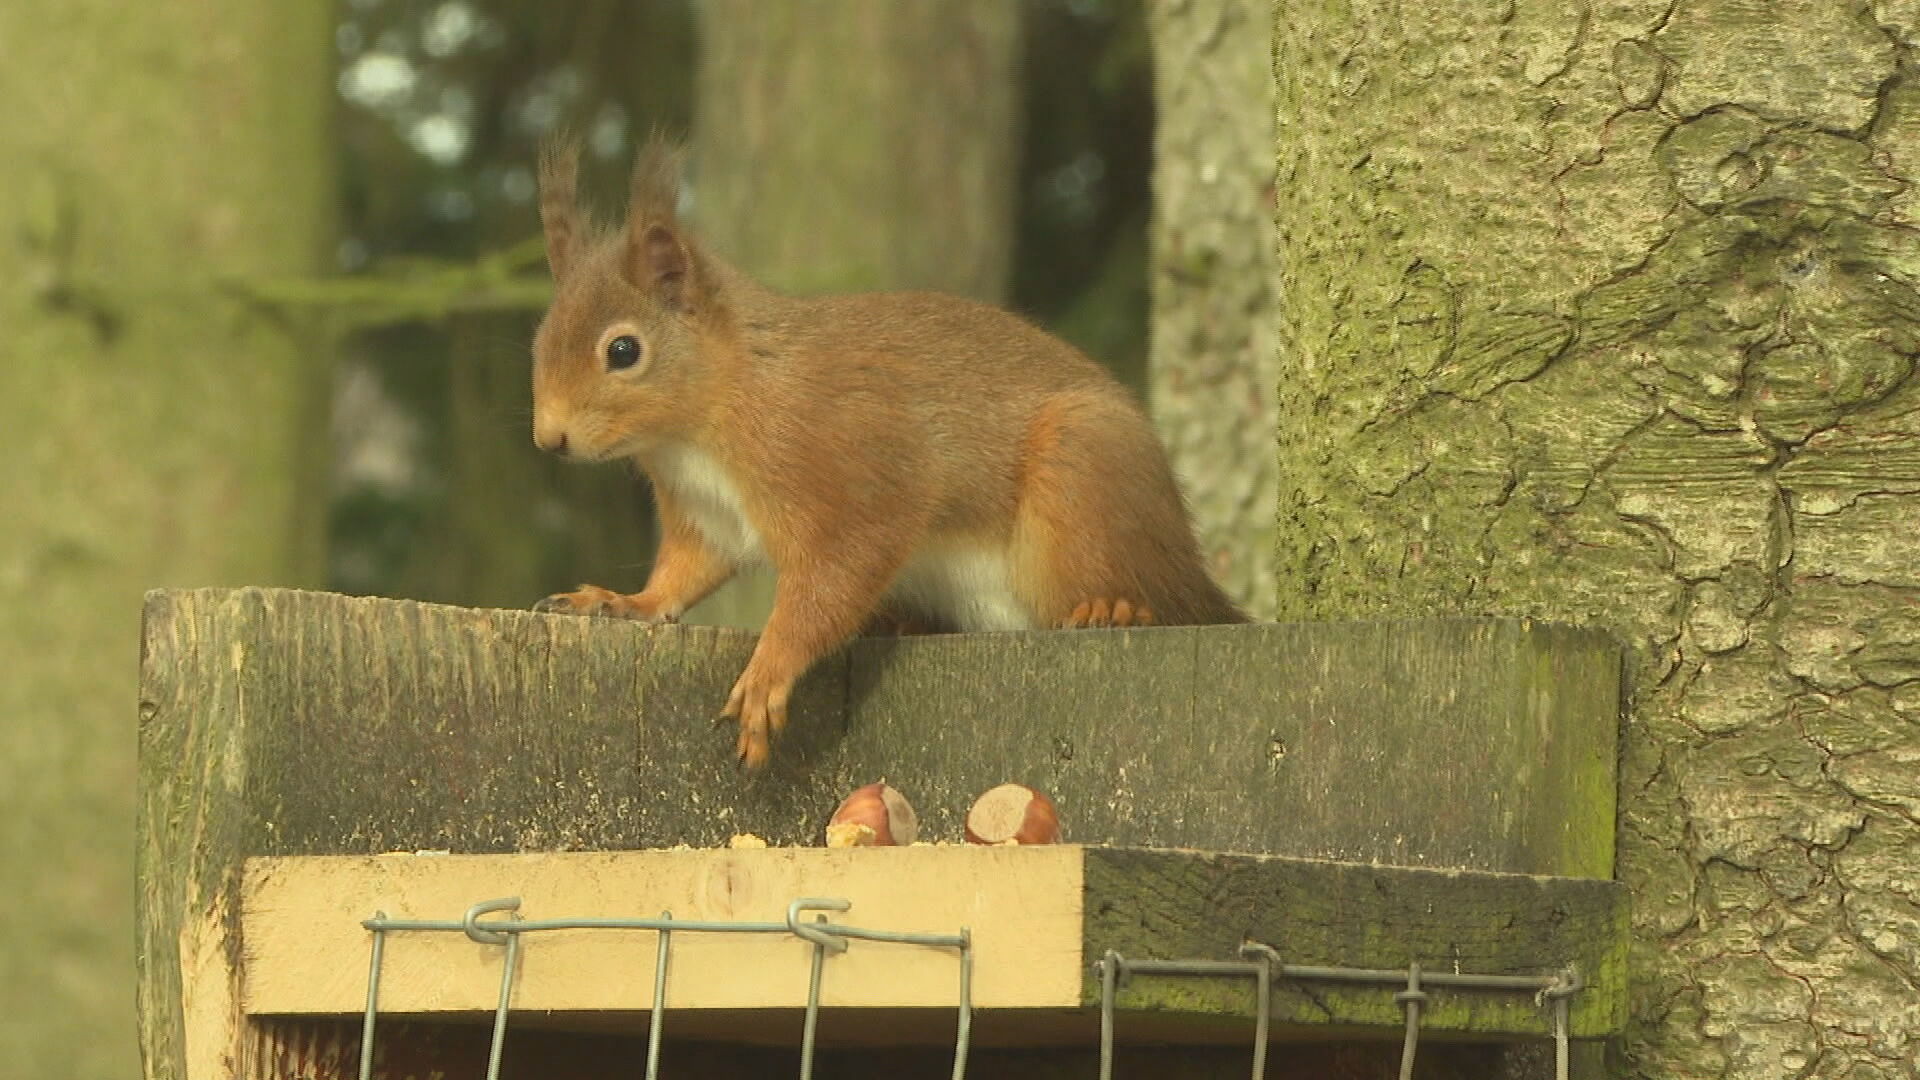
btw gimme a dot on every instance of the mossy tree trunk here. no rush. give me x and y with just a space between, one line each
161 431
1608 314
1212 368
853 146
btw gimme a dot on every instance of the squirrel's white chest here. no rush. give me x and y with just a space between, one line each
966 584
707 496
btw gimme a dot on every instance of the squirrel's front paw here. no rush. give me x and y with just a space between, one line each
594 600
759 702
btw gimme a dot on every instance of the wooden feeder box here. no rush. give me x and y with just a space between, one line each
1374 795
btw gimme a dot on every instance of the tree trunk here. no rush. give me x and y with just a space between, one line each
861 144
162 432
856 145
1608 315
1213 366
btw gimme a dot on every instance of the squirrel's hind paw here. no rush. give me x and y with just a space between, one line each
1105 613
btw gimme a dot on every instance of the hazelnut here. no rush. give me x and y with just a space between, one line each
1013 814
873 816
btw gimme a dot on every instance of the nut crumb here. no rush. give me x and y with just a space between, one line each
850 834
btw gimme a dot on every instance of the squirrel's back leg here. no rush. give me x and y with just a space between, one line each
1101 536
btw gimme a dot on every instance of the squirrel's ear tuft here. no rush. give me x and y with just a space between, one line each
656 184
559 212
658 259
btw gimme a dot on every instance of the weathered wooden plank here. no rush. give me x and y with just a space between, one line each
1479 743
1038 919
409 725
1194 905
375 724
195 826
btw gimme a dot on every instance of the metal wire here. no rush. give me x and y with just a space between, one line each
506 998
1263 964
659 998
1410 999
1555 990
1538 984
1109 966
1560 1049
501 929
528 926
825 937
809 933
965 1033
1113 965
1262 1011
470 923
820 946
373 1001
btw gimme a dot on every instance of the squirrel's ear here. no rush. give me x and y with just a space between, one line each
559 215
659 263
658 260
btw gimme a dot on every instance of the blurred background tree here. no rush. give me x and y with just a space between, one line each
163 428
1216 299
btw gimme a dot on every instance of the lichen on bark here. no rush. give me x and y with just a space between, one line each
1608 313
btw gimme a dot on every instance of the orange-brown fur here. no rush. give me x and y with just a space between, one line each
900 457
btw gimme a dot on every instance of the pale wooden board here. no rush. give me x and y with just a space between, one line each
306 951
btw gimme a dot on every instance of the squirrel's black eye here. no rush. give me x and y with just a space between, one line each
623 352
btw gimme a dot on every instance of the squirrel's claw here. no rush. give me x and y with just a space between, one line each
557 604
760 705
584 600
592 600
1103 613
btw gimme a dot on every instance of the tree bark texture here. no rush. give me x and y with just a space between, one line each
1212 366
853 146
1608 313
159 431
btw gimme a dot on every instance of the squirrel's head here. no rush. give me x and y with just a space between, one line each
615 362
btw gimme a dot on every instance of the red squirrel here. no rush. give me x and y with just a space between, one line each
894 456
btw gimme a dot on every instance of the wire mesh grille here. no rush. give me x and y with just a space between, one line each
1260 962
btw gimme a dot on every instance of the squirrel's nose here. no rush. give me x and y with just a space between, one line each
552 440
